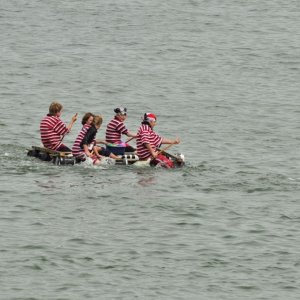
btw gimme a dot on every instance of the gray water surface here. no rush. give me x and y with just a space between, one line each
221 75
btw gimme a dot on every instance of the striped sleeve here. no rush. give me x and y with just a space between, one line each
77 149
121 128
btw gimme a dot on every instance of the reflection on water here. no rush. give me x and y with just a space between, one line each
145 179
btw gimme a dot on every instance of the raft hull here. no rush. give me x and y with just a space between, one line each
56 157
66 158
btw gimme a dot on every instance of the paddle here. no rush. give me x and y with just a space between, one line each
161 151
130 139
178 159
164 149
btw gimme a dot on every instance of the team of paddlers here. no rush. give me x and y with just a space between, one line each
53 130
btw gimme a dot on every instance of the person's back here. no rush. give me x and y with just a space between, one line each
53 130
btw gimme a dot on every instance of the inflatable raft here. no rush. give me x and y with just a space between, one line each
66 158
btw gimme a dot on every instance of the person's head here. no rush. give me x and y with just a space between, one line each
97 121
121 113
55 108
150 119
87 119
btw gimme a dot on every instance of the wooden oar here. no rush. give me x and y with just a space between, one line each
130 139
164 149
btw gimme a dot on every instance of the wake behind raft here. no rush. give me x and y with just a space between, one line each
66 158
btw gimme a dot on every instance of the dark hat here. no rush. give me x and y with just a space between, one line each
121 110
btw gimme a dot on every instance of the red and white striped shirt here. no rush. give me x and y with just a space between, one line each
52 130
146 135
114 130
77 150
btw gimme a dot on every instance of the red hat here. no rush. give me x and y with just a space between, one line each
149 117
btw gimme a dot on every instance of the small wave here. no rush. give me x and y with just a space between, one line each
33 247
35 267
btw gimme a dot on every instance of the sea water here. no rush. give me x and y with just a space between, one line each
223 76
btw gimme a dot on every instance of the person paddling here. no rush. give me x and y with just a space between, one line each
114 130
53 129
148 143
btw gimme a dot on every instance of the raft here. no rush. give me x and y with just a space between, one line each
67 158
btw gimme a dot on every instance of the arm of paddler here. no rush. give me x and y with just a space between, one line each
95 149
151 150
101 142
130 134
170 141
87 151
73 120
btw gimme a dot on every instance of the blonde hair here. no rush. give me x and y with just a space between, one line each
54 108
98 120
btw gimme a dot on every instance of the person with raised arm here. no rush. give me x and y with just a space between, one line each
53 129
